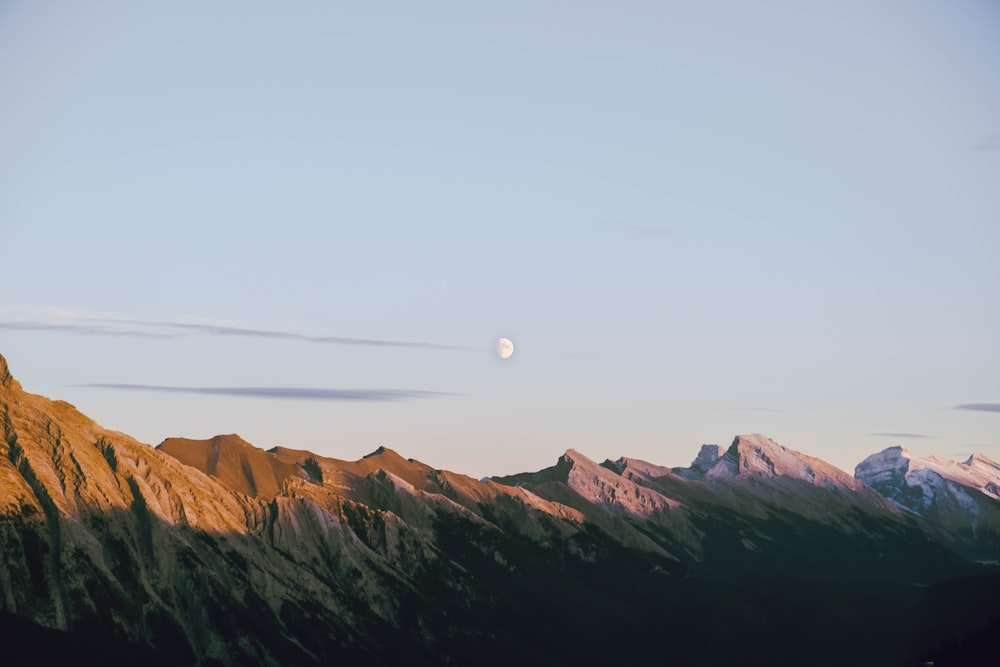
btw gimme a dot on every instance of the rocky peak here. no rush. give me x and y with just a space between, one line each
893 453
976 456
888 469
605 487
569 461
618 466
757 455
6 379
217 443
749 454
231 440
930 484
234 462
392 461
707 457
980 460
384 451
572 464
571 456
885 470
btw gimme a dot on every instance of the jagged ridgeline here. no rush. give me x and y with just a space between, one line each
218 552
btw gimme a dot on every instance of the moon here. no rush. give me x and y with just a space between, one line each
505 348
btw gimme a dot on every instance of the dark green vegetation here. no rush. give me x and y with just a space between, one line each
494 599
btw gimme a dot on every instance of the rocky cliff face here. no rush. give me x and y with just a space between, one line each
218 552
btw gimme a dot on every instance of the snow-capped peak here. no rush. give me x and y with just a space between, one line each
930 483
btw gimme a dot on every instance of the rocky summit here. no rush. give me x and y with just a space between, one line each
217 552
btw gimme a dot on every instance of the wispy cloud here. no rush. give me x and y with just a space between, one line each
753 409
913 436
979 407
246 332
76 323
85 329
288 393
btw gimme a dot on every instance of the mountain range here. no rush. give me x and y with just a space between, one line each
216 552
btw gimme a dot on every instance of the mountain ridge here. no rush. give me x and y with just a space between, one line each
216 551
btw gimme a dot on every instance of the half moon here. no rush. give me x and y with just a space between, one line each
505 348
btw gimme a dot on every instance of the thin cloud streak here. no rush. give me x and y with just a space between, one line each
903 435
286 393
979 407
107 326
225 330
85 329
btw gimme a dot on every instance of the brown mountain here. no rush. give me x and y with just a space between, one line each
234 462
276 557
101 533
217 552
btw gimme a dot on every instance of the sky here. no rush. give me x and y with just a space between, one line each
308 223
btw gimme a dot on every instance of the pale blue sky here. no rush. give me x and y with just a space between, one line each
693 219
